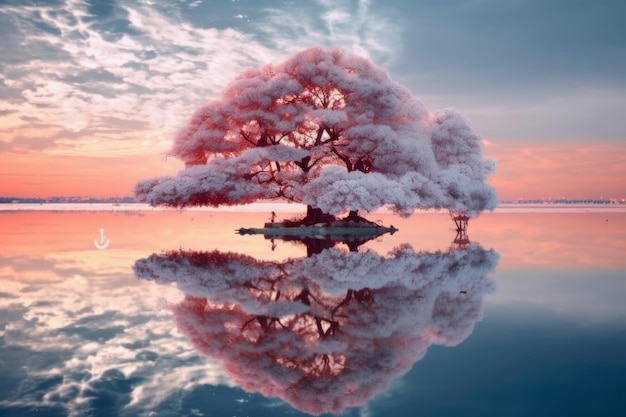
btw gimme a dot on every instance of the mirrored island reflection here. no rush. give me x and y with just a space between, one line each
329 330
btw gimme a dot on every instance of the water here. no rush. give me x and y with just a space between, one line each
177 315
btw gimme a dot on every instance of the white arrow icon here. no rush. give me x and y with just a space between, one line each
104 242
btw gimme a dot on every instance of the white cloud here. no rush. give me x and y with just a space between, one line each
158 71
334 24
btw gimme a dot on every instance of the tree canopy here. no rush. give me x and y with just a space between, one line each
329 130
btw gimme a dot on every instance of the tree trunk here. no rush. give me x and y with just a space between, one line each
353 215
315 215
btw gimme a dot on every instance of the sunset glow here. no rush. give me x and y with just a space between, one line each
273 207
91 96
524 170
579 170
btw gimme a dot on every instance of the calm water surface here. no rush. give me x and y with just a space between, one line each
149 313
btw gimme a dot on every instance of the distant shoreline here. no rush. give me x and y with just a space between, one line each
292 208
132 201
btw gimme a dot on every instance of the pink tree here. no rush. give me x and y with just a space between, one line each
329 130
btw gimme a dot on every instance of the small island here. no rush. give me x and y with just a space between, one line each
338 230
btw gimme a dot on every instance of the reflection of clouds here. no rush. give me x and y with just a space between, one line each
328 331
73 338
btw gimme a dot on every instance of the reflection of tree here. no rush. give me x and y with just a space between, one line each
328 331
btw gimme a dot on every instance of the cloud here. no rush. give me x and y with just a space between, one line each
74 64
93 71
331 24
477 45
557 112
128 74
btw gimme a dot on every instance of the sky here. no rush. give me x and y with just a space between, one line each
93 92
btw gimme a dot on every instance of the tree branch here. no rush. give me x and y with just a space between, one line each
241 132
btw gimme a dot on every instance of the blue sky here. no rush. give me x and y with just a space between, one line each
118 78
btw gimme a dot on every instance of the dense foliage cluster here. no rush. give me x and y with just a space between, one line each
329 130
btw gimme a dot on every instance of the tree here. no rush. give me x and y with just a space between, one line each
329 130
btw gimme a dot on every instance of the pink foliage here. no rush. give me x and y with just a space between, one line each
328 331
338 110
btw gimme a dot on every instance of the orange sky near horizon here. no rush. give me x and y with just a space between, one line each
42 175
524 170
573 170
